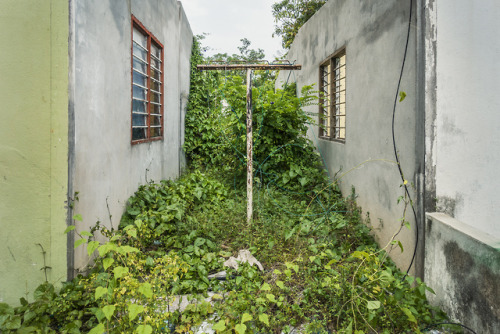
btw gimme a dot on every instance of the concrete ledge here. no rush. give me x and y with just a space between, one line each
462 265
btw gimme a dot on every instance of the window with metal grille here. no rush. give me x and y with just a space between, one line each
147 85
332 109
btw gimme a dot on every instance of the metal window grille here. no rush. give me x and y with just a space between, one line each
147 85
333 97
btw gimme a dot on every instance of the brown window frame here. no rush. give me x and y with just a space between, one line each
332 85
148 102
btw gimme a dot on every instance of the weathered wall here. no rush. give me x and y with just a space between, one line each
374 34
107 168
462 265
33 144
467 140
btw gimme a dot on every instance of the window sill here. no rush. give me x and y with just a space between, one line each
341 141
142 141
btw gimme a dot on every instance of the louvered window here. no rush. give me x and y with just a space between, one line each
333 98
147 85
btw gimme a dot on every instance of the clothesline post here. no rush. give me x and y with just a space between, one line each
249 125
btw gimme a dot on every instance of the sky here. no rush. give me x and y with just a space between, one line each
228 21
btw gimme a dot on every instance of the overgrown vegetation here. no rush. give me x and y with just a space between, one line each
322 271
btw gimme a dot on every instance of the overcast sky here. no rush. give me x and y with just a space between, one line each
228 21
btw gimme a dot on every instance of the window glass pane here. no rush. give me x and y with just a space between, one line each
139 93
155 109
155 120
155 132
155 74
155 85
139 133
140 66
155 63
138 120
155 97
139 79
140 38
155 51
140 52
138 106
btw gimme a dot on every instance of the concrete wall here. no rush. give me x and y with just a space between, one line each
463 265
107 168
33 144
467 139
461 42
374 34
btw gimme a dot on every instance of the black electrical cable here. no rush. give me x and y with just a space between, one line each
401 171
449 323
394 141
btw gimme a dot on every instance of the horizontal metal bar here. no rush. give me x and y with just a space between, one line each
137 85
141 73
139 45
139 113
212 67
156 69
140 59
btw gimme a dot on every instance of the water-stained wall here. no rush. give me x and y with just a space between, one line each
107 168
374 36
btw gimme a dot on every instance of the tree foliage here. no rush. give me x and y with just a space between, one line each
246 54
290 15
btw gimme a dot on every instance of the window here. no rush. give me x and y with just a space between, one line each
147 85
332 103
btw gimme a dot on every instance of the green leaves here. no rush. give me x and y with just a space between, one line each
246 317
80 242
108 311
134 310
99 329
100 291
69 228
264 318
240 328
107 262
373 305
78 217
92 246
219 326
144 329
120 271
410 315
146 290
402 96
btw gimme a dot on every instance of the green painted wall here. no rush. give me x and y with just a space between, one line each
33 144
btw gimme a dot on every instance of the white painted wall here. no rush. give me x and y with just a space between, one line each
107 169
468 112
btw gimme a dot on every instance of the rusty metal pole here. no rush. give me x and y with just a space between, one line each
249 68
249 149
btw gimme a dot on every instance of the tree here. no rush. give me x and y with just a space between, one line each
290 15
246 54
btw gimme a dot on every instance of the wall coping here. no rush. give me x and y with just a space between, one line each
459 226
